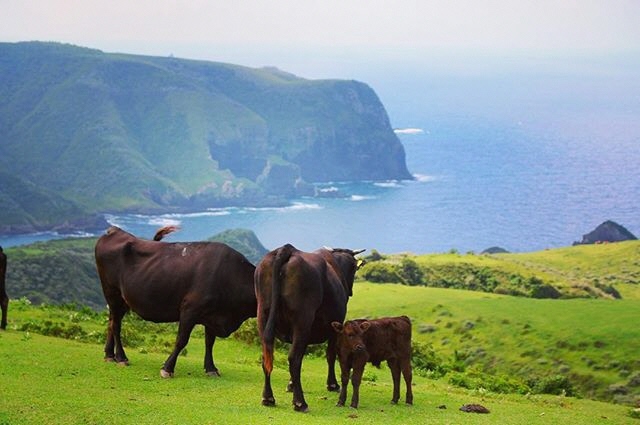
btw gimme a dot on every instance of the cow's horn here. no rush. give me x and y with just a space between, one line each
358 251
328 248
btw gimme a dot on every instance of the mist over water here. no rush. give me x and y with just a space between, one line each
525 160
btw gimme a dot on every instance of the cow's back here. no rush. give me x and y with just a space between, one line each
388 337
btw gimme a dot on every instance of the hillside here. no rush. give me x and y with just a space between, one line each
591 271
87 132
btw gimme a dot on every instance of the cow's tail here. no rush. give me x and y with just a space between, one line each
164 231
269 334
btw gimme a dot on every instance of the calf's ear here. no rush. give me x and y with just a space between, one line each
337 326
364 326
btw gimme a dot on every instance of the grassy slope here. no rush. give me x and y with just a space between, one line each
575 271
593 341
50 380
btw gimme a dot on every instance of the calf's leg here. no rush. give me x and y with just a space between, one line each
395 374
356 379
345 371
406 372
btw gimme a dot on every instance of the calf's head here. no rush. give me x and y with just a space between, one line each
350 335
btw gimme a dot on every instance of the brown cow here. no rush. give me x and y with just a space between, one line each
299 295
361 341
4 299
192 283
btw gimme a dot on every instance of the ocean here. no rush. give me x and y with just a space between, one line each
523 162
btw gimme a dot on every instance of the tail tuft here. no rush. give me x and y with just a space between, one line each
164 231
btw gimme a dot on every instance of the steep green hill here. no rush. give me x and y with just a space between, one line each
110 132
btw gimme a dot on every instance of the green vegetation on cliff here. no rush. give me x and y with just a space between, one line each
92 132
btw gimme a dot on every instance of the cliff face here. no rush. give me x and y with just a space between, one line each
98 132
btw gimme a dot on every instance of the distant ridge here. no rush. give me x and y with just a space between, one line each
89 132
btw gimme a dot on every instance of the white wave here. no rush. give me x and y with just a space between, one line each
163 221
295 206
328 189
423 178
408 131
390 183
357 198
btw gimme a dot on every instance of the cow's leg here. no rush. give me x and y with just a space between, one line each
184 332
345 371
332 382
113 349
296 353
406 372
209 339
395 374
4 305
356 379
267 360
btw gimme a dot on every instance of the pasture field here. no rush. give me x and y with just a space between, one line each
65 381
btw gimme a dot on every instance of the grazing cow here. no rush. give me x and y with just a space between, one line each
361 341
205 283
299 295
4 299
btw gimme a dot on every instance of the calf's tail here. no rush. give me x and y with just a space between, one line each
268 336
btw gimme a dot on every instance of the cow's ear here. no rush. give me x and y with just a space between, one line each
337 326
364 326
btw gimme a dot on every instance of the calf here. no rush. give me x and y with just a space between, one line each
361 341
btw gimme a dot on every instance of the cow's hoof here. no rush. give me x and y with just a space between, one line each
123 363
301 407
165 374
340 404
109 359
213 373
270 402
333 387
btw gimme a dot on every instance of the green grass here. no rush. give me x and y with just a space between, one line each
54 380
50 380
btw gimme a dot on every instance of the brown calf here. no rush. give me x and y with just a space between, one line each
361 341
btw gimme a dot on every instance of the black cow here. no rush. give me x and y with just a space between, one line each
361 341
4 299
299 295
192 283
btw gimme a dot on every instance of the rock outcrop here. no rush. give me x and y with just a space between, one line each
608 231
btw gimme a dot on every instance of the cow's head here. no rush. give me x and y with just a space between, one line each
348 264
350 335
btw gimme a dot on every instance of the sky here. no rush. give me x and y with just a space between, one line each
316 39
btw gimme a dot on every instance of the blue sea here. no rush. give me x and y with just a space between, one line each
522 161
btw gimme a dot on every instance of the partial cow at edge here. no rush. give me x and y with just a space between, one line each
361 341
4 298
207 283
299 295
